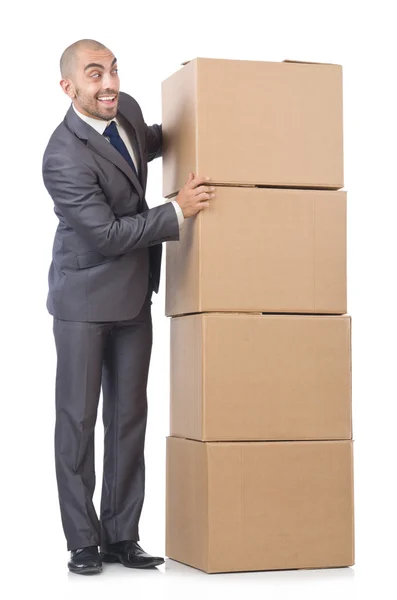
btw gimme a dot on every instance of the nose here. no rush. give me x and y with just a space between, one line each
108 81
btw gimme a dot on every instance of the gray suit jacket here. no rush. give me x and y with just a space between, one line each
107 246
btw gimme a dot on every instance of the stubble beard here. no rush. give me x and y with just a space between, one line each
91 107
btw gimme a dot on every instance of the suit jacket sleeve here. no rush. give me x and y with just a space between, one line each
154 141
78 197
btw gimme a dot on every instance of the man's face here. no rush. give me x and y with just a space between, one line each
94 85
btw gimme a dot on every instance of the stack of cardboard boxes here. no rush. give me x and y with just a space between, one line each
259 458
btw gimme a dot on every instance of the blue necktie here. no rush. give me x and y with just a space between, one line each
112 133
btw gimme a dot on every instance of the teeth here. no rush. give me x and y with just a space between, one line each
107 98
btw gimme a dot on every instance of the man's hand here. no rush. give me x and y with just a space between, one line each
195 195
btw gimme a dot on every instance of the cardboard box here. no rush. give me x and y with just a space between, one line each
260 377
261 250
259 505
253 122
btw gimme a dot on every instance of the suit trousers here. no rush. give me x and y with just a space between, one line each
116 356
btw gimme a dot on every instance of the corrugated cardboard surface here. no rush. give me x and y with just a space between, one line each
187 498
253 122
257 249
260 377
260 505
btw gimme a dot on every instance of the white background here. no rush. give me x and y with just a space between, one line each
150 40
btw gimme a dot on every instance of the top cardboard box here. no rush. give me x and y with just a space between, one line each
253 123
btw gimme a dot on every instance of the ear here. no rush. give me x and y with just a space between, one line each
68 88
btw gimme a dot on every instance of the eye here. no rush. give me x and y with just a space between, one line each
95 75
116 71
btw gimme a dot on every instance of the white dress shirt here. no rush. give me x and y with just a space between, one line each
100 125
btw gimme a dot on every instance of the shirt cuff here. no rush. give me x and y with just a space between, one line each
179 213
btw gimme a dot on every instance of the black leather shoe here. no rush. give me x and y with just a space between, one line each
129 554
85 561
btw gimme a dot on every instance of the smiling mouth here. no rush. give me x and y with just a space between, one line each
110 99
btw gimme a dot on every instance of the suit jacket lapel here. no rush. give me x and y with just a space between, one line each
128 114
99 144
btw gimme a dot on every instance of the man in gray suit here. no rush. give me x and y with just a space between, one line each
105 265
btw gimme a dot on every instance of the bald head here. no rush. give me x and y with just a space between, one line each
90 78
69 57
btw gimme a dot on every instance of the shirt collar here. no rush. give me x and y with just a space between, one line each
98 124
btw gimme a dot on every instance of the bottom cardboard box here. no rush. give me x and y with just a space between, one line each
248 506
